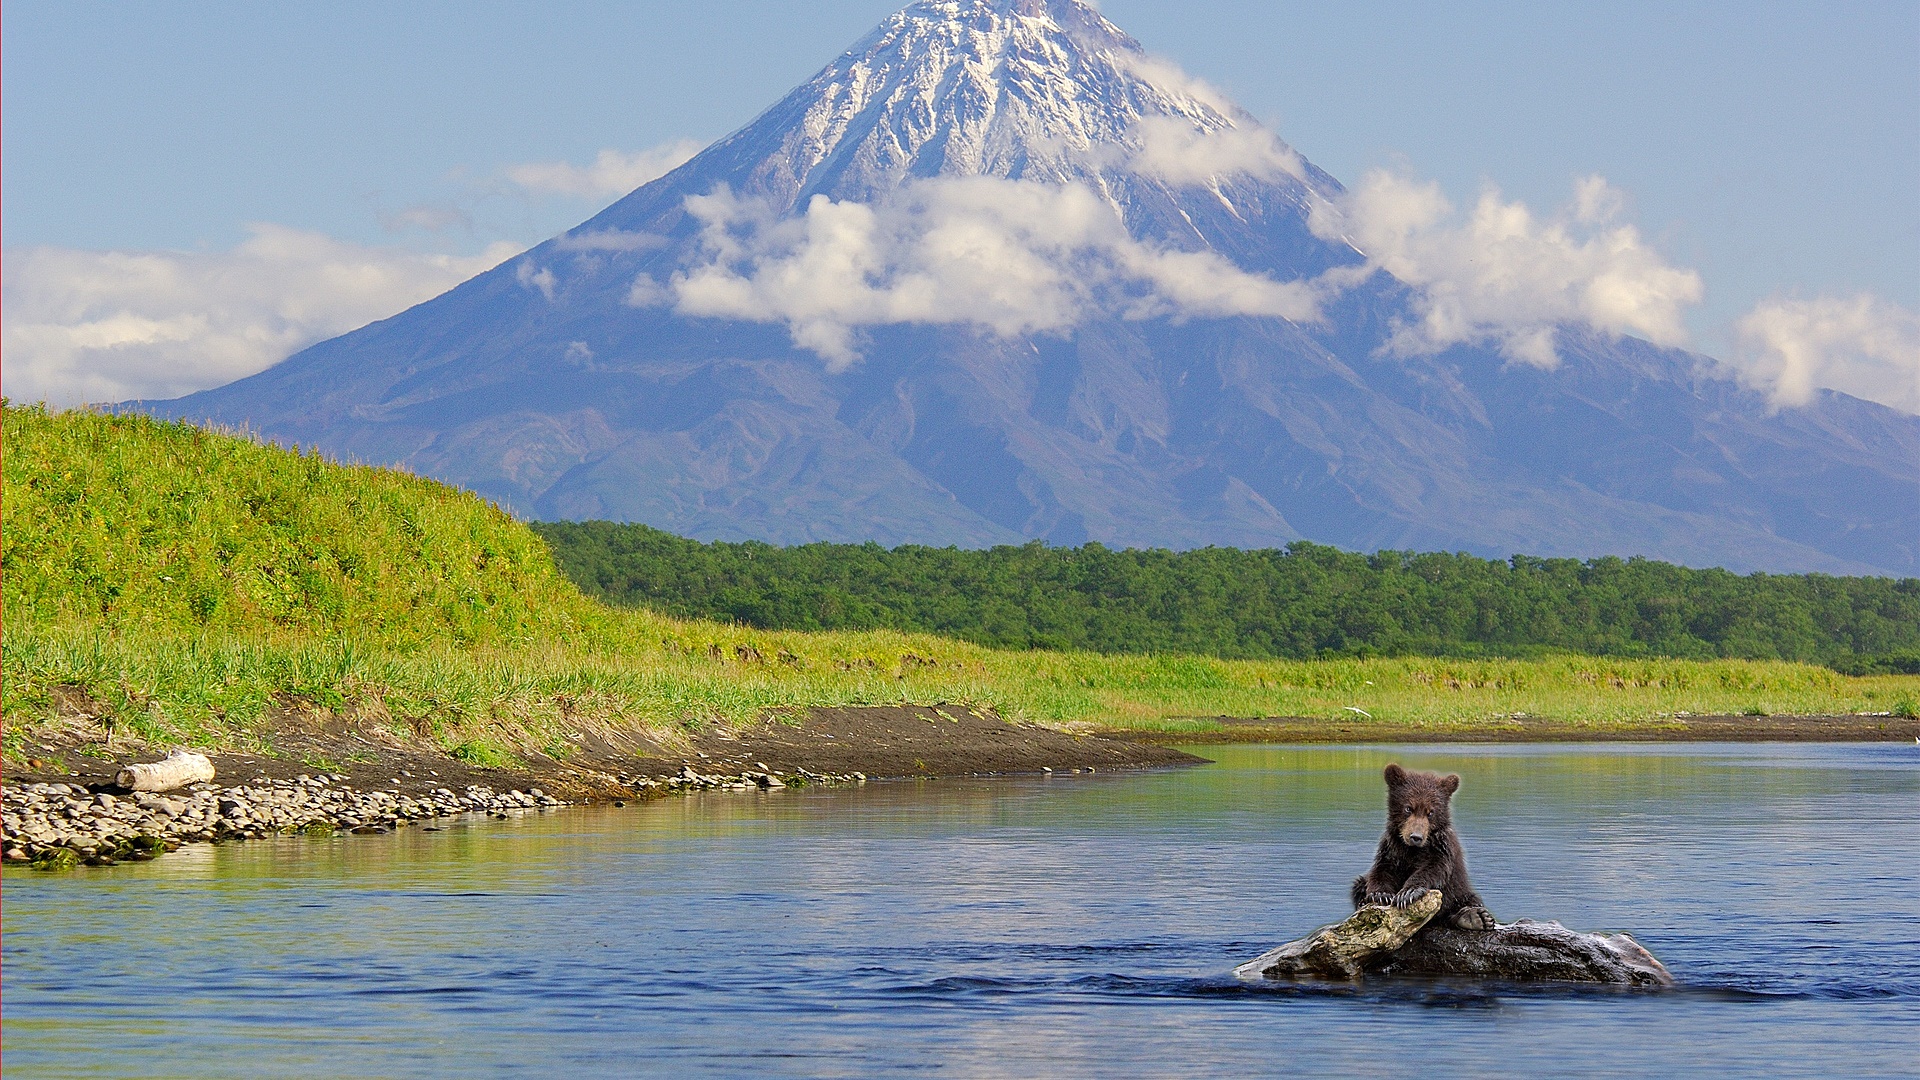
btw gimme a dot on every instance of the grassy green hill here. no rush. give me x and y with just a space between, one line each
186 586
135 526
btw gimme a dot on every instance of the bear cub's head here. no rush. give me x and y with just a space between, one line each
1417 804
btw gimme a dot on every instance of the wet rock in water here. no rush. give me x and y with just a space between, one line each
1344 950
1529 950
58 858
1397 941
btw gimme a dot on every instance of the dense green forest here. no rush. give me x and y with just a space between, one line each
1305 600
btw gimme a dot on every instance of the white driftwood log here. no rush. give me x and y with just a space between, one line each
1345 950
178 769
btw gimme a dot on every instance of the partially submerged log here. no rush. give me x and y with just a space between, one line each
178 769
1378 940
1344 950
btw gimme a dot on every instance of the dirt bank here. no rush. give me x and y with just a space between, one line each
882 742
910 741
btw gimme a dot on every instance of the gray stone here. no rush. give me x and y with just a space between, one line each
1529 950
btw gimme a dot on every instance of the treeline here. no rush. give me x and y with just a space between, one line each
1305 600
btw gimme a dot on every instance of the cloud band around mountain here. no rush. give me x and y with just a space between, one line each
1019 257
1011 256
1500 275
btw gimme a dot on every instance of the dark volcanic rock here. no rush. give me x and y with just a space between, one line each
1527 951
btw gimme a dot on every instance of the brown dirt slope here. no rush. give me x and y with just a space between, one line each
898 741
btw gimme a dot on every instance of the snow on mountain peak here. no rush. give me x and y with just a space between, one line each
1044 90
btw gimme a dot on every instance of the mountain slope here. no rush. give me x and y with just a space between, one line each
995 274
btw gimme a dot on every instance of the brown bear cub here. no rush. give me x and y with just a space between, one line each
1420 851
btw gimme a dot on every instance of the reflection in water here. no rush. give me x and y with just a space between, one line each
1073 925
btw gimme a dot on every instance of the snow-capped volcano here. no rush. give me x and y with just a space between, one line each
1045 91
1014 166
998 273
1034 91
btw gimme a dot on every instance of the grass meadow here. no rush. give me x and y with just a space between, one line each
183 586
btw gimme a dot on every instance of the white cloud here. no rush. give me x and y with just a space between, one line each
1859 345
646 293
1502 275
1181 152
538 278
111 325
1010 256
1205 136
1176 82
613 173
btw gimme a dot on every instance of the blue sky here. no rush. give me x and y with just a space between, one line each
1773 147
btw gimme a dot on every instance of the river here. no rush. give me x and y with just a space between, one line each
1073 925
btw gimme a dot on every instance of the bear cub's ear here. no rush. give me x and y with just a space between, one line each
1450 783
1396 775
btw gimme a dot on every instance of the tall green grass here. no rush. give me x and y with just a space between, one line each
139 526
179 585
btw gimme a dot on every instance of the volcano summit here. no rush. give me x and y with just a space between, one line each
996 273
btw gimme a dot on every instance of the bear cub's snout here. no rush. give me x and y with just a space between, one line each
1414 830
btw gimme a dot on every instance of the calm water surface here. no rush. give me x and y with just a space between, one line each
1080 925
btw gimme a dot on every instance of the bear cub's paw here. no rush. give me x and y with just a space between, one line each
1406 897
1473 918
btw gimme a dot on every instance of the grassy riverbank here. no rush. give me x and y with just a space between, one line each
166 584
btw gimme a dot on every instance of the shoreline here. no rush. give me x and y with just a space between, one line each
1854 727
66 810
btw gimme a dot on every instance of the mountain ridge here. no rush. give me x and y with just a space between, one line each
995 274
